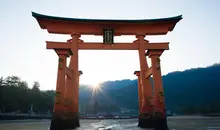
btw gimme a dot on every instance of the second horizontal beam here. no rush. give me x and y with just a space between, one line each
101 46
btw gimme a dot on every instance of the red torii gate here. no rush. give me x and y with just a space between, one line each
151 107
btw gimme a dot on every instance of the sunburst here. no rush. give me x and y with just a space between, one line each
95 87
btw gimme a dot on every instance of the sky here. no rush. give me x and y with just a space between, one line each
194 42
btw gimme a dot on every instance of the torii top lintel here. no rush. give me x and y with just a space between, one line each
61 25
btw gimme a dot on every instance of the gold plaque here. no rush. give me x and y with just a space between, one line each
108 36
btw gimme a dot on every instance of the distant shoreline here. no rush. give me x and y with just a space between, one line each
26 117
211 115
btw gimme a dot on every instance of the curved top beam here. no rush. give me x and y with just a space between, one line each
169 19
63 25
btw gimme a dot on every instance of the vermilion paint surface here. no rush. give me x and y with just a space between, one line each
68 77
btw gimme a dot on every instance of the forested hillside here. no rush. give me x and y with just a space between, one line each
195 90
191 91
16 96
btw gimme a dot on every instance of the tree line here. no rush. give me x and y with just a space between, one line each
193 91
17 96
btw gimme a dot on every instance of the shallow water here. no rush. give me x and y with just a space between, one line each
128 124
174 123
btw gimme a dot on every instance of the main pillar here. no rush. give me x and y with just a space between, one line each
58 111
74 65
140 92
70 122
160 120
146 115
72 119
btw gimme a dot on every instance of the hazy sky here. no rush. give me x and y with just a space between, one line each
195 41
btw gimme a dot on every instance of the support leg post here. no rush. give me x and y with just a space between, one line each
57 121
140 95
145 117
69 104
160 120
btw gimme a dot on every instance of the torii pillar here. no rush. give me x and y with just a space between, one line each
146 115
58 111
160 120
140 93
72 86
68 97
71 116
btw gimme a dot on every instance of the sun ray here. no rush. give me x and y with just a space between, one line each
95 88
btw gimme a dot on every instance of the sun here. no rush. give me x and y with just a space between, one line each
95 87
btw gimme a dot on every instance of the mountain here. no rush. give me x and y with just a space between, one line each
194 90
103 96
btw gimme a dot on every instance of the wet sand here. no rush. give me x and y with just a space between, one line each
174 123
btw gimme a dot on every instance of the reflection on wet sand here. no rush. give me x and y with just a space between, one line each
175 123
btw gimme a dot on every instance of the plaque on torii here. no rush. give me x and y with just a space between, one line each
108 36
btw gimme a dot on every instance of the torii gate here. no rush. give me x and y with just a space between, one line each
151 107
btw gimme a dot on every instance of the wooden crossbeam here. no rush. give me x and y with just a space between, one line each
101 46
136 73
80 72
69 72
58 45
148 73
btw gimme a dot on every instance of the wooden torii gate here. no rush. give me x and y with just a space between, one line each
151 107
